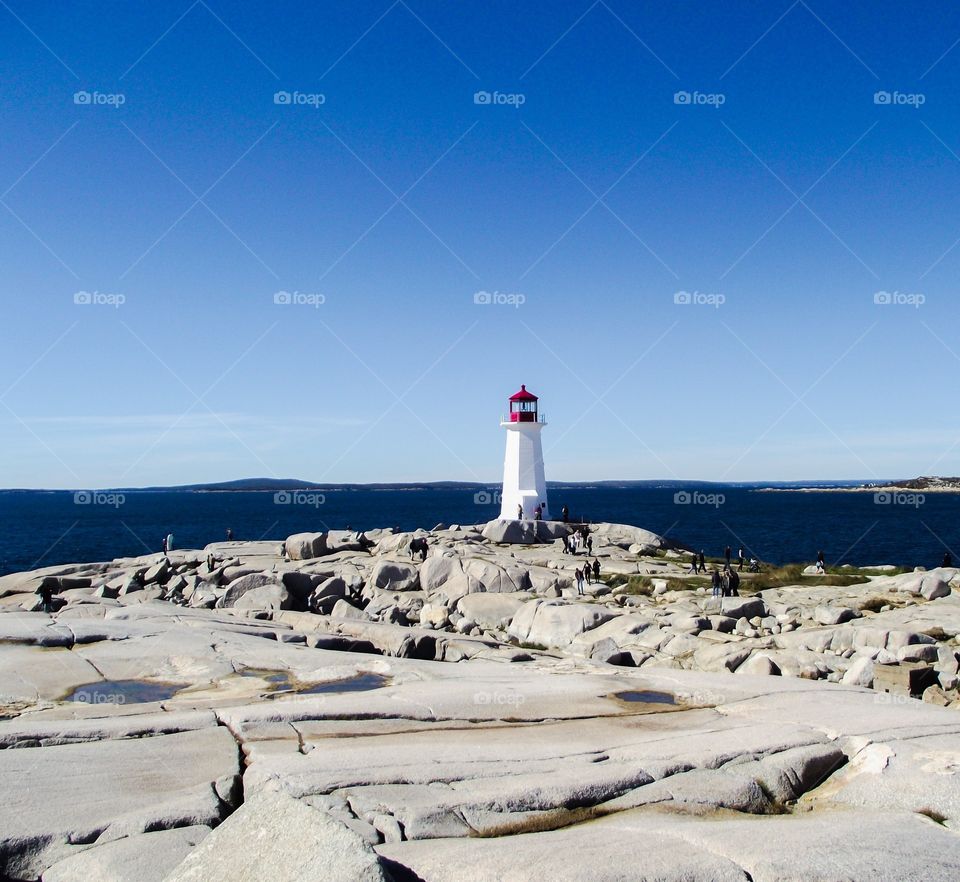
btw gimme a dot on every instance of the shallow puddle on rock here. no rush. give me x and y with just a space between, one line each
360 683
277 678
124 692
645 697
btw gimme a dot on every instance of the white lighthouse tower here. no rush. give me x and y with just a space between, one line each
524 486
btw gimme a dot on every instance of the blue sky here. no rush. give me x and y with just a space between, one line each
783 198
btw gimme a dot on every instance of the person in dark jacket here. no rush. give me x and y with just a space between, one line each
596 570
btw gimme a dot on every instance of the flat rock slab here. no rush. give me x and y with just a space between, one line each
275 837
77 794
654 846
147 857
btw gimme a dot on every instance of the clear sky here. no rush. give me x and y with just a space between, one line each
683 216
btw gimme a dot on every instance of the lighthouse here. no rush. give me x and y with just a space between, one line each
524 485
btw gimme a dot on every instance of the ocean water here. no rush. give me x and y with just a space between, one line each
45 528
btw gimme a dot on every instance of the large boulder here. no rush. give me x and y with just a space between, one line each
555 623
272 596
491 610
241 586
395 575
304 546
274 836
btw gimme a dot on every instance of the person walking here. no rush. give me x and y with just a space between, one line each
586 571
589 544
693 564
740 558
726 554
702 560
715 580
596 571
579 577
734 583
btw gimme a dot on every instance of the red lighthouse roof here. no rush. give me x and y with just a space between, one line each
523 395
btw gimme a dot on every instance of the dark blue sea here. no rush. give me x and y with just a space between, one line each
43 528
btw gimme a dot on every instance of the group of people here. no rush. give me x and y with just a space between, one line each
725 583
419 546
698 561
586 573
579 540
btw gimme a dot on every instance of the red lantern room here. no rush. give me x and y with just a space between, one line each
523 407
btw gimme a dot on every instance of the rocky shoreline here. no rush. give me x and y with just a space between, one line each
335 707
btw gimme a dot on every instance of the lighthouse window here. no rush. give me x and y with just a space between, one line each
524 406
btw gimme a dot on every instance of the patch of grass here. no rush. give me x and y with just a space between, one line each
933 815
539 647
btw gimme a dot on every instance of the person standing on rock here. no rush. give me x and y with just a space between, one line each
821 566
702 562
164 544
726 554
596 571
424 545
519 512
46 594
565 514
715 579
947 559
740 559
589 544
579 577
725 583
229 535
168 545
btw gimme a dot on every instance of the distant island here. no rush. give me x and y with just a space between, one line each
923 484
273 485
